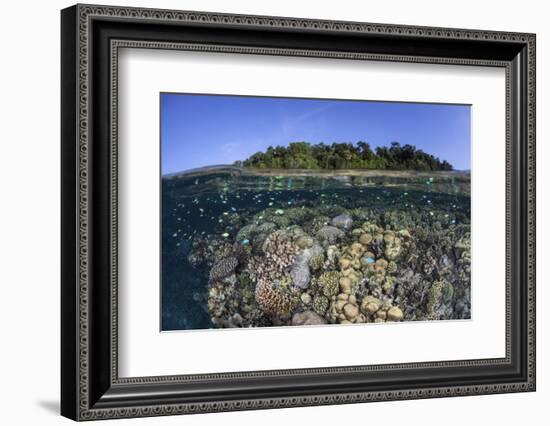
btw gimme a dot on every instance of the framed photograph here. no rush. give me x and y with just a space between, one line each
263 212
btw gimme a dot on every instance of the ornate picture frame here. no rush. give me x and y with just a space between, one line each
91 37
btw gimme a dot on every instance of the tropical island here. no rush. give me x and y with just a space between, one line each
340 156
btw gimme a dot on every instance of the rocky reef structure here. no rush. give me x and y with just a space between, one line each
315 265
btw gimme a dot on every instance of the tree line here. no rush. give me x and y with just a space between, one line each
303 155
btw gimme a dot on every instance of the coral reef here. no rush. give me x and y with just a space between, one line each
223 268
342 221
308 318
320 304
330 234
324 264
328 282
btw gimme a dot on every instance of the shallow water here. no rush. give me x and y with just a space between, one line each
218 202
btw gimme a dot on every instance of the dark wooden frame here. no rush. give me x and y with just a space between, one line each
91 37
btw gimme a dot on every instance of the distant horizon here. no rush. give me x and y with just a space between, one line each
199 131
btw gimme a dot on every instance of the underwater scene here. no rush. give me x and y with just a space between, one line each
301 233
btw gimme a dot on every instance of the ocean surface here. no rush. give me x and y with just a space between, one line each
218 202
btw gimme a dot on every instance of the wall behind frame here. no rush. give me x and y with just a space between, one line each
30 226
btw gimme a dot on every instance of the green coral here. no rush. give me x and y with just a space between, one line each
320 304
299 215
285 281
328 281
387 287
281 221
434 296
316 262
447 291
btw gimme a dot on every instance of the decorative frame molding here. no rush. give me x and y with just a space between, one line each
91 37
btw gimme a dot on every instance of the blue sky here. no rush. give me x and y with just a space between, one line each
202 130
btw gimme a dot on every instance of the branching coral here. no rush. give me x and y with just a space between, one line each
270 272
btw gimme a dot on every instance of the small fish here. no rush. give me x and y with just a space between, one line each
225 235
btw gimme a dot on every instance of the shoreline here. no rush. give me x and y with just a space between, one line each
319 173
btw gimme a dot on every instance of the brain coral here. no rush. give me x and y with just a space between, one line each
329 282
272 299
223 268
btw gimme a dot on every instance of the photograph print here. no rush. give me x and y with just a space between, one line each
279 211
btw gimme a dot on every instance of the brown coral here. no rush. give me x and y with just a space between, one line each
270 272
344 310
280 250
272 299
